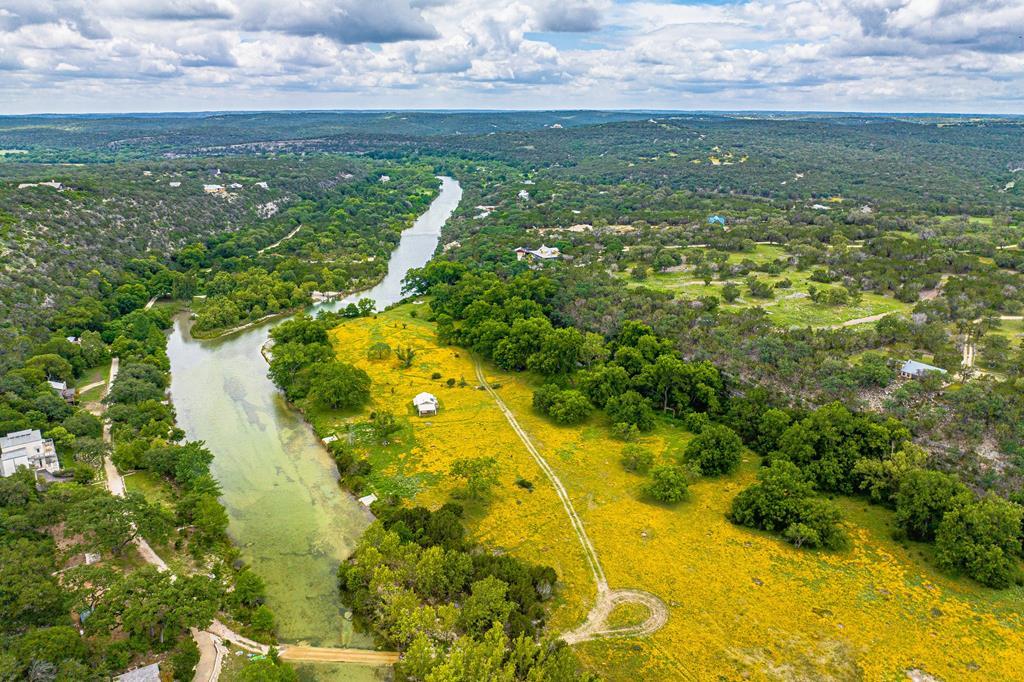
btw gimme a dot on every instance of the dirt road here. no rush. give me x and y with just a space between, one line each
326 655
594 627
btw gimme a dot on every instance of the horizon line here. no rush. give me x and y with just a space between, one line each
472 110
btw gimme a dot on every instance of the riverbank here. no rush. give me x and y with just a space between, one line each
288 516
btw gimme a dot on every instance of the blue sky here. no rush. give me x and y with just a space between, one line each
851 55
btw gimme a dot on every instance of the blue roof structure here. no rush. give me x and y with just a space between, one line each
917 369
716 219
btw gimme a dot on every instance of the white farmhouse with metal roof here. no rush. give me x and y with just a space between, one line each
426 404
912 369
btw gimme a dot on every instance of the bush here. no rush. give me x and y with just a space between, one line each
783 501
631 408
627 432
923 499
564 407
715 451
636 459
982 539
668 484
184 659
696 422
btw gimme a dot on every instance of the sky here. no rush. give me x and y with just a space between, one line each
71 56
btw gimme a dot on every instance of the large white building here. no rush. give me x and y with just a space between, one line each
27 449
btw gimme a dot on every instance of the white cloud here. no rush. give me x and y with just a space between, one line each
801 54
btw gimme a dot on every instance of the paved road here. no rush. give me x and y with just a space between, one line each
594 627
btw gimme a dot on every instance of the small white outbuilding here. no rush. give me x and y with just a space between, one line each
426 404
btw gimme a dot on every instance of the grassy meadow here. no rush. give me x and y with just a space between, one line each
789 307
742 603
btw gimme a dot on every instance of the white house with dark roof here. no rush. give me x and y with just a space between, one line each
27 449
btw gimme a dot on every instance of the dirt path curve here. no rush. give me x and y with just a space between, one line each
281 240
89 387
859 320
607 598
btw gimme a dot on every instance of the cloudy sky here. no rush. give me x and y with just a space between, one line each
187 55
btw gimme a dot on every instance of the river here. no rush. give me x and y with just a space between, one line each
288 516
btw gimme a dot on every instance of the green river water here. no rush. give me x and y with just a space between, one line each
290 519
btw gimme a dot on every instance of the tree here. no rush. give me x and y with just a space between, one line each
29 595
485 606
636 459
287 361
266 670
982 539
210 520
383 425
110 523
730 292
923 499
250 590
570 407
881 478
53 366
559 352
523 340
479 473
668 484
184 659
53 645
715 451
603 382
378 351
405 356
783 498
631 408
339 385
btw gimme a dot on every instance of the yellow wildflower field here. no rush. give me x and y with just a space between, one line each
742 603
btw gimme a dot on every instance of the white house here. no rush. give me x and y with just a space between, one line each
426 404
27 449
543 253
214 189
912 369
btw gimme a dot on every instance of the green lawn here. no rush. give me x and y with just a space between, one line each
789 308
93 375
153 487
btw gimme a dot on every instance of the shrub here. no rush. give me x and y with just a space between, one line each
184 659
627 432
631 408
636 459
715 451
564 407
668 484
783 501
982 539
923 499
